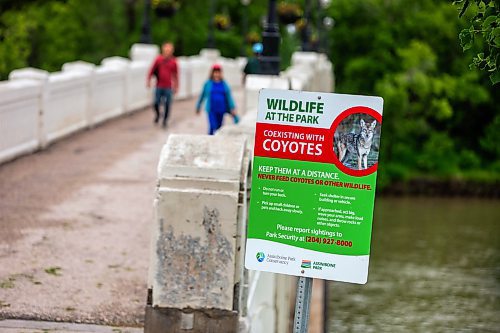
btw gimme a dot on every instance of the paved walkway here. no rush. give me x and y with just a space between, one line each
75 222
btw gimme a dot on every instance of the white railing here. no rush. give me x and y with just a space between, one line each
37 108
65 105
83 95
19 117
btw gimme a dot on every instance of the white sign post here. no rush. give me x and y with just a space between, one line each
313 188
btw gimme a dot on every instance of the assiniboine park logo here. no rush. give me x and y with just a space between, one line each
260 256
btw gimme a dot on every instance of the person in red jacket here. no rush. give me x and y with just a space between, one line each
167 80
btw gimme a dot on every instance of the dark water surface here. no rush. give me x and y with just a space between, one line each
434 267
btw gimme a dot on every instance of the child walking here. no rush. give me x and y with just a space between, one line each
218 100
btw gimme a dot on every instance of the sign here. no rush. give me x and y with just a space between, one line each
313 184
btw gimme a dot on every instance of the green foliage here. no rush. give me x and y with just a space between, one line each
491 140
439 115
15 45
189 27
289 45
47 34
485 25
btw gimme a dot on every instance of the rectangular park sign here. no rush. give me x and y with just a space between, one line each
313 184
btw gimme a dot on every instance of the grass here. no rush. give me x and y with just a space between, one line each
4 305
53 271
8 284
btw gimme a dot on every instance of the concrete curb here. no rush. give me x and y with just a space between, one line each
18 326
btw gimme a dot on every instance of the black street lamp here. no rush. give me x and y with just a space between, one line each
322 5
306 33
328 23
270 59
211 38
244 22
146 24
318 26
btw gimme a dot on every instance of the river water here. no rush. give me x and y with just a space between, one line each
434 267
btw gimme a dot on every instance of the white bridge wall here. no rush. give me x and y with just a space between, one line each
19 118
37 108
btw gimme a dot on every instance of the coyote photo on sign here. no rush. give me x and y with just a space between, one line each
357 141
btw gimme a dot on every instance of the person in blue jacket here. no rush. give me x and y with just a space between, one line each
218 98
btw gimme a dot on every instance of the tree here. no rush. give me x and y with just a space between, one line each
437 111
485 25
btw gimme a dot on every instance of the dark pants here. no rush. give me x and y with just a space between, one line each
215 120
166 95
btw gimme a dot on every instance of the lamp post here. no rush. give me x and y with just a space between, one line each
270 59
146 24
321 5
211 38
244 22
306 34
328 23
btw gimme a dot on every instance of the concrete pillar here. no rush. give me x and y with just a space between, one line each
79 65
254 83
212 55
107 93
29 73
116 62
317 66
65 108
19 117
200 71
328 77
138 95
196 260
121 65
300 77
232 72
309 58
185 75
41 76
245 128
144 52
87 68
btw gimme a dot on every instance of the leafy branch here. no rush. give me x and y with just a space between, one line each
485 25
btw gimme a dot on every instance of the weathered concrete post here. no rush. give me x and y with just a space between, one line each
200 207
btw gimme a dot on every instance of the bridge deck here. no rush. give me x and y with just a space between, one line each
75 221
75 224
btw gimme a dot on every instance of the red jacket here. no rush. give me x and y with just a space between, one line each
166 69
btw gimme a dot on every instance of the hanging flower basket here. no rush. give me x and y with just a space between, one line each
314 41
300 24
165 8
253 37
289 13
222 22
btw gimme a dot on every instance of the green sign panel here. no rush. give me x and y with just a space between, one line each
313 184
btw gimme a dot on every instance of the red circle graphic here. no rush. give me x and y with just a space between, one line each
333 128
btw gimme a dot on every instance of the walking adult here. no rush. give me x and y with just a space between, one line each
164 68
218 98
253 65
